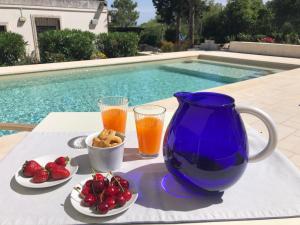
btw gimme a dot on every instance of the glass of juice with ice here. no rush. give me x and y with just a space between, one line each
114 112
149 121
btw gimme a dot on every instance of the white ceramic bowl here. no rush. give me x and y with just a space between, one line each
105 159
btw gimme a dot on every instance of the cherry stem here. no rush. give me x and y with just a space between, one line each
80 194
101 195
117 181
93 171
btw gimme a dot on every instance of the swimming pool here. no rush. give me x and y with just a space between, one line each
28 98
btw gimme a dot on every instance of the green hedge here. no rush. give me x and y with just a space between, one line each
12 48
290 38
65 45
117 44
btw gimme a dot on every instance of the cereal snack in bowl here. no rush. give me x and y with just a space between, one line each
107 138
105 150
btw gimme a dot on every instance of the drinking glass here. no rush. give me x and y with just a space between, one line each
114 112
149 121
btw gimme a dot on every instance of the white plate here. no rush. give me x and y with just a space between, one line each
76 202
72 166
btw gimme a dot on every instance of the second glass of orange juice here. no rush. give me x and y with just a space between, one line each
114 112
149 121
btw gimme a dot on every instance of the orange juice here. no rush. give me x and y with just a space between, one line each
114 119
149 132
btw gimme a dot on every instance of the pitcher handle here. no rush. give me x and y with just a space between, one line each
269 123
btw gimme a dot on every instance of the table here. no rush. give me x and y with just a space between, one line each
89 122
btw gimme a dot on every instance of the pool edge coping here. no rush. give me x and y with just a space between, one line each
239 58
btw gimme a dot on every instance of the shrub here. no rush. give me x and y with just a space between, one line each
167 46
117 44
259 37
244 37
279 37
150 37
292 38
12 48
65 45
98 55
181 46
152 34
267 40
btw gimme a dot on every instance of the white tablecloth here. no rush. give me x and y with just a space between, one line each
269 189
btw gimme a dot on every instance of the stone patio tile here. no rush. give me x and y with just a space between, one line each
293 123
291 143
297 133
296 160
283 131
287 153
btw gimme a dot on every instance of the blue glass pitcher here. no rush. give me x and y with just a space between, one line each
206 143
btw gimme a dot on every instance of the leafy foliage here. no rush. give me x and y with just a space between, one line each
65 45
170 35
241 16
277 19
12 48
153 33
167 46
124 13
286 11
117 44
98 55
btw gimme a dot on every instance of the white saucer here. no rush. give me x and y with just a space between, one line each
76 202
72 166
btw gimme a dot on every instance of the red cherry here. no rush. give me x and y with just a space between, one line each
111 190
98 186
118 178
103 207
90 200
124 183
111 202
127 195
89 183
98 176
86 190
120 200
106 182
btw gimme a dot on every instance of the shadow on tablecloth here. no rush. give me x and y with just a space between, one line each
159 190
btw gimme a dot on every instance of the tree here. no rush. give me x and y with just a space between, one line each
153 32
213 22
287 11
170 12
264 23
241 16
195 7
174 11
124 13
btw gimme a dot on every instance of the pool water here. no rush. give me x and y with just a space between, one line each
29 98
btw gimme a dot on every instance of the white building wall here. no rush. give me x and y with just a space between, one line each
69 18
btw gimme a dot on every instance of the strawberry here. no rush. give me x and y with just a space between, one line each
62 161
59 172
30 167
50 165
40 176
